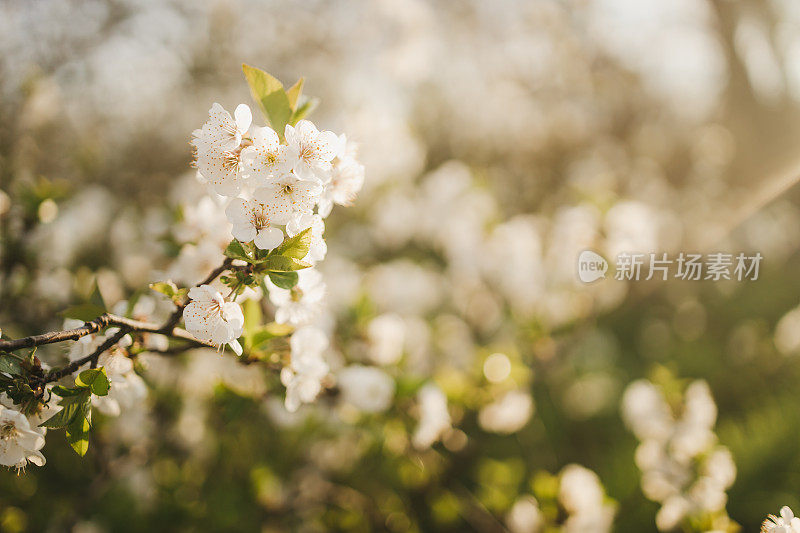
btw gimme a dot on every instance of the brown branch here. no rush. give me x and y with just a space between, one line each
126 325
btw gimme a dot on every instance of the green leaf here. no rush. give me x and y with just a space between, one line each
85 312
284 280
296 247
270 331
94 379
10 364
306 106
279 263
64 417
96 298
65 392
272 99
236 250
294 93
78 429
167 288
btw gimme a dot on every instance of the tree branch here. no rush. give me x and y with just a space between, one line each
126 325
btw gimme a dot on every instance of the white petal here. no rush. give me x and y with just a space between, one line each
269 238
236 347
243 117
244 232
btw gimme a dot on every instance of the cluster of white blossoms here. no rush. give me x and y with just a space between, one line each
683 467
581 495
273 186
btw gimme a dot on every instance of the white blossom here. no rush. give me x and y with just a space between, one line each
212 319
19 442
787 522
310 150
368 388
267 157
288 195
255 221
508 414
303 376
221 131
346 179
302 303
434 419
218 146
386 333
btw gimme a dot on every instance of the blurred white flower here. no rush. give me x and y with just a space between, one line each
302 303
303 376
212 319
256 221
19 443
386 334
367 388
127 389
508 414
525 516
434 419
582 495
310 150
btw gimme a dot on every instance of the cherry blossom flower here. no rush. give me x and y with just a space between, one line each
317 248
267 157
212 319
310 150
221 131
286 195
434 419
785 523
255 221
346 179
303 376
302 303
19 442
222 169
218 146
367 388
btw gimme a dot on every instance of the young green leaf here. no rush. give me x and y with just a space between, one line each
167 288
271 97
294 93
10 364
296 247
306 106
279 263
94 379
284 280
64 417
236 250
78 429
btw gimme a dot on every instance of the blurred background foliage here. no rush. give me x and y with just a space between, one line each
500 139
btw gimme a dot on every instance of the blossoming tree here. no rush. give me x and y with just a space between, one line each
276 184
